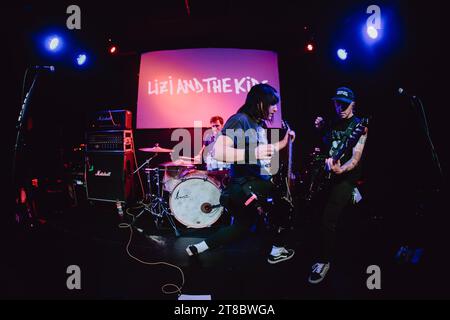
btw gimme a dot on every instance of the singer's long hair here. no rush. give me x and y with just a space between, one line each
261 93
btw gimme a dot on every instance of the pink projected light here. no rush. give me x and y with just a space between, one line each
179 87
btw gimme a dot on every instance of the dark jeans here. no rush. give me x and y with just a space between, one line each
338 198
234 198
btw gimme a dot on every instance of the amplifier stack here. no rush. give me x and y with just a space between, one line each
110 158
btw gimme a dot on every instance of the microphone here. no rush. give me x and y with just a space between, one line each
403 92
49 68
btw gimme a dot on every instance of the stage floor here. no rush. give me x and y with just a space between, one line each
35 262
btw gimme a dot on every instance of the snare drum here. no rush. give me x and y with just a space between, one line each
172 174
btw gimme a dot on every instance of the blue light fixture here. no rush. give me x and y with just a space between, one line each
53 43
81 59
372 32
342 54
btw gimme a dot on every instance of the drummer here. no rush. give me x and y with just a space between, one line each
210 138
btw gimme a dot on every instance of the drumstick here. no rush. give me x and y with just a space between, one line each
187 158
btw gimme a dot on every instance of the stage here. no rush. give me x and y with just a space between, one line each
90 238
328 115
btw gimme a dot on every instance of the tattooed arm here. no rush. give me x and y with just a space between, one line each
357 154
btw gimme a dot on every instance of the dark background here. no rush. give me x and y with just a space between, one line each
398 167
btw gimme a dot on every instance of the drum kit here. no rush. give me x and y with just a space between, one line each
178 190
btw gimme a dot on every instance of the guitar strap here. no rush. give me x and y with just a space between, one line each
346 137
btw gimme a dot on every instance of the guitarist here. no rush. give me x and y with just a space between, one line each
345 172
243 143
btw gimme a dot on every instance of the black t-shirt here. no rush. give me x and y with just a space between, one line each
333 138
246 132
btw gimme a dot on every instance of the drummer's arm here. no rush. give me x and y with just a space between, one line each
224 151
198 157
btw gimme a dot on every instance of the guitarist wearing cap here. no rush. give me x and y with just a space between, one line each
345 139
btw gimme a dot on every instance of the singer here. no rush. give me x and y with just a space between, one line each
243 143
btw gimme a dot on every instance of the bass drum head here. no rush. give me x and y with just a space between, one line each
193 202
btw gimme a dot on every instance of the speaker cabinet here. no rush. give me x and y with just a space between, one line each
109 176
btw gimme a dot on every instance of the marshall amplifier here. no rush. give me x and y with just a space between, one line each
109 141
109 166
110 120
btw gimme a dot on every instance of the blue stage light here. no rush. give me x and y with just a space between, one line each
342 54
81 59
372 32
53 43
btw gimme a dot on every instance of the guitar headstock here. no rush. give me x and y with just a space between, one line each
364 124
285 125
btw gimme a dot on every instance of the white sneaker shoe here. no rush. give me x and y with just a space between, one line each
284 255
318 272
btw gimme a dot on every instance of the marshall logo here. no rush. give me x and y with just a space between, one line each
100 173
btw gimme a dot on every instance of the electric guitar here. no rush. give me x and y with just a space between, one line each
319 175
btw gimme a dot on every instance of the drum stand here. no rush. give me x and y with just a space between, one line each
157 206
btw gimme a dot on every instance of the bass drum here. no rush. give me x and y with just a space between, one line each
195 201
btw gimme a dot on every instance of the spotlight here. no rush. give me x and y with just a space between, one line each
342 54
310 47
372 32
54 43
81 59
113 49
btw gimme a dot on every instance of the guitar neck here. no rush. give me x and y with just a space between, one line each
289 171
290 143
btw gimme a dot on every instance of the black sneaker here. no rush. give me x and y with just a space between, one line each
192 251
318 272
285 255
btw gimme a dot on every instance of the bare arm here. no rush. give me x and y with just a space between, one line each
357 154
201 150
198 157
224 151
283 143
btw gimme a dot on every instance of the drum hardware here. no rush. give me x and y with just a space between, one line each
208 208
205 178
194 196
157 206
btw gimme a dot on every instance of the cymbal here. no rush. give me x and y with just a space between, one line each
178 163
156 150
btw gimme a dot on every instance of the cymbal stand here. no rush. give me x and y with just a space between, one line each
157 206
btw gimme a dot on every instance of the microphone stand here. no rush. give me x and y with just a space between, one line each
417 102
413 253
20 182
20 123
